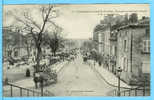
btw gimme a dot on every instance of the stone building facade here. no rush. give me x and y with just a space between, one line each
101 37
13 45
128 47
133 52
113 51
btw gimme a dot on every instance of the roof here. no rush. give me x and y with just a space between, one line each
134 26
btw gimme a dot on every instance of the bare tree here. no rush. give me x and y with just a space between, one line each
36 28
28 44
54 39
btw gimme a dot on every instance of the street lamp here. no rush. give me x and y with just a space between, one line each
41 80
119 70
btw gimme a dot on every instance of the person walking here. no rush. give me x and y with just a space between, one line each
100 63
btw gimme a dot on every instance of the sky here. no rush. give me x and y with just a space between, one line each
78 21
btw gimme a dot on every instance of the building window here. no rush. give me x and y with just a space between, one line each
16 54
112 50
44 51
147 31
34 53
115 51
125 64
145 67
125 45
146 46
99 37
9 53
119 33
126 33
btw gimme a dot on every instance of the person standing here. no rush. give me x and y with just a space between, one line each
36 79
100 63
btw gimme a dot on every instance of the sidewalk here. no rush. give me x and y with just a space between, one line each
29 83
108 77
58 66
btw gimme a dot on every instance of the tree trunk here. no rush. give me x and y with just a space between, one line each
38 58
54 53
28 52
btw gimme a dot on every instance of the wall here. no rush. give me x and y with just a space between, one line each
137 35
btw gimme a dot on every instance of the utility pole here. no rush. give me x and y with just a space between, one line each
119 70
42 79
119 85
131 50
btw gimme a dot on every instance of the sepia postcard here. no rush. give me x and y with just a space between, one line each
58 50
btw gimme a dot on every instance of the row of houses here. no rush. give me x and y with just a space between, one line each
127 46
16 45
12 44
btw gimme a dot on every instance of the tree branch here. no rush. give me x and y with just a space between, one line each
46 19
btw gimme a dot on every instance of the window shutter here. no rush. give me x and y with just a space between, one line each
148 46
144 46
127 65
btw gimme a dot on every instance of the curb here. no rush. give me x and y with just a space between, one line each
94 69
66 63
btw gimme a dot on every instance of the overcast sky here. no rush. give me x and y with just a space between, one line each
78 21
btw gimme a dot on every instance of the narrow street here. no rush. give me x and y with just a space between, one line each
76 50
78 79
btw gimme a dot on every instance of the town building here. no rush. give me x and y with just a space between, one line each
133 52
126 46
101 37
13 44
113 51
